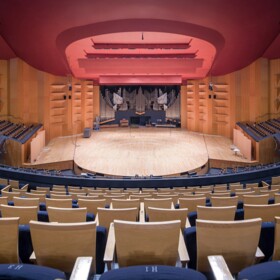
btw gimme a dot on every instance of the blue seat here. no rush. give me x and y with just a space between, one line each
152 272
262 271
29 272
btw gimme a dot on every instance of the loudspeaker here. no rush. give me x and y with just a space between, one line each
87 132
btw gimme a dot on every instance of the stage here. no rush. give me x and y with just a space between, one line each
142 151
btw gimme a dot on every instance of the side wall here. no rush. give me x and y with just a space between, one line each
65 106
251 94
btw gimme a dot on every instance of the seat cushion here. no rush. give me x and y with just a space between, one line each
152 272
262 271
29 272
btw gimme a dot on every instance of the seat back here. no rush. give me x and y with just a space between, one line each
225 213
62 203
57 245
276 250
41 196
265 212
125 203
147 243
92 204
256 199
21 201
67 215
107 216
9 240
4 200
224 201
162 214
157 203
236 241
191 203
25 213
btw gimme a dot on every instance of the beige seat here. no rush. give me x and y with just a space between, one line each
154 243
125 203
277 198
10 195
92 204
224 201
14 183
163 214
256 199
4 200
191 203
173 196
266 212
106 216
9 240
225 213
57 245
220 194
25 213
41 196
158 203
140 196
67 215
236 241
62 203
275 180
270 192
22 201
4 182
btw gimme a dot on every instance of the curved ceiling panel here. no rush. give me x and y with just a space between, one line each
239 31
138 54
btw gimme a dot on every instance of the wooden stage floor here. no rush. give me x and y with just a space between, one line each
142 151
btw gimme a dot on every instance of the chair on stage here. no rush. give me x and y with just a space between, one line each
58 245
153 243
236 242
9 241
67 215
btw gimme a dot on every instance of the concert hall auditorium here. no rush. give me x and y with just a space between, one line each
140 139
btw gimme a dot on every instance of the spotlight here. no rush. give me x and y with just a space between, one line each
211 86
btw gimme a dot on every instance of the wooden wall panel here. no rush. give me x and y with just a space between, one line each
4 70
183 109
274 102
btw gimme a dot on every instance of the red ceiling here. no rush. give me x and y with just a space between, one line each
54 36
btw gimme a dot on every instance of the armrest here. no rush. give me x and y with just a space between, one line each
81 268
259 255
182 250
32 258
142 213
110 247
219 268
97 220
187 224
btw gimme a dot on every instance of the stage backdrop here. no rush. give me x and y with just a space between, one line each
155 104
